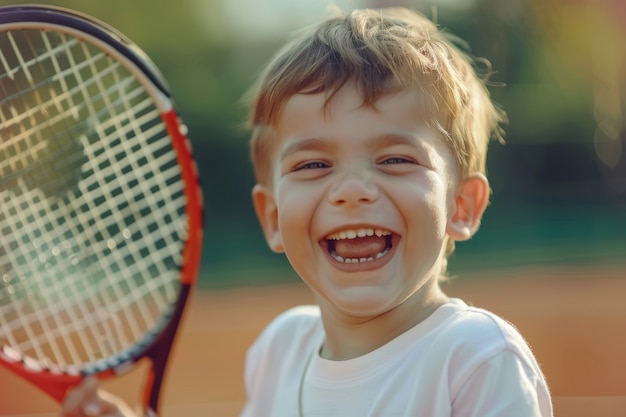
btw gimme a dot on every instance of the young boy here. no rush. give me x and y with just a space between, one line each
369 139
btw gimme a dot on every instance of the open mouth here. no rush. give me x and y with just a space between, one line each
359 245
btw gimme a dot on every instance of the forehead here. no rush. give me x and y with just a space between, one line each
404 108
405 113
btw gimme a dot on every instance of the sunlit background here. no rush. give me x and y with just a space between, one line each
559 182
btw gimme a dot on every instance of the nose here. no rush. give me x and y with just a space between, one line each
353 187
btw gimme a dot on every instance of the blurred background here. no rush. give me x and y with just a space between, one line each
559 181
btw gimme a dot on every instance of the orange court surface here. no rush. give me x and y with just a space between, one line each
574 317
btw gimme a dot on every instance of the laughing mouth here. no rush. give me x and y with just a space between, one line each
359 245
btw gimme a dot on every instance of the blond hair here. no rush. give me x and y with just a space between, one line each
381 51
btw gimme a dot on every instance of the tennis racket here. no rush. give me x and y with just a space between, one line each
100 204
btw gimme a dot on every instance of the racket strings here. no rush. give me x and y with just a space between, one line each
88 265
41 329
29 115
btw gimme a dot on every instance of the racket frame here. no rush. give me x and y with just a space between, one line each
52 379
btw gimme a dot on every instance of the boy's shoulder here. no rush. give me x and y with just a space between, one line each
295 320
472 336
299 325
473 326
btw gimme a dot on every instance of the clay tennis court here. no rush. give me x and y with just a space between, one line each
573 317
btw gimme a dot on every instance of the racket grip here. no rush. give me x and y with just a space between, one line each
150 413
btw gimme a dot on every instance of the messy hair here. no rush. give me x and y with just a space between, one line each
380 52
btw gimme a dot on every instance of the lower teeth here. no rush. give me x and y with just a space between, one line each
358 260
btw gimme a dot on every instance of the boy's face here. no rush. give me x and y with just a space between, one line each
362 199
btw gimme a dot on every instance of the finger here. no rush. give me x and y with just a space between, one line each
74 400
91 408
91 404
86 400
108 405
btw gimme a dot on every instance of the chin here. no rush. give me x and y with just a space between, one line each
362 301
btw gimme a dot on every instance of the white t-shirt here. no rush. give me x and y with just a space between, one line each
461 361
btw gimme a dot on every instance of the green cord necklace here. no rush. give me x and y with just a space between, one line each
302 378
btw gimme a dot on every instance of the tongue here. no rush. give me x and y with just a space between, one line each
361 247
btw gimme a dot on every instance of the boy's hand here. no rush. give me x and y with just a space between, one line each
87 401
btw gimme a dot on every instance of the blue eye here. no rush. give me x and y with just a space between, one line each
311 165
397 160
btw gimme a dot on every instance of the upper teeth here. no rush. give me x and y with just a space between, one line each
354 233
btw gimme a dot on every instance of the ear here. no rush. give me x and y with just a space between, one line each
471 200
267 213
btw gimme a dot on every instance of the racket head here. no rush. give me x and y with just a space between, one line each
100 203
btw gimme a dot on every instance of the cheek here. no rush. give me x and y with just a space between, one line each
294 203
296 209
431 207
437 208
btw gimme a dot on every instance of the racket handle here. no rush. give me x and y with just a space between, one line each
150 413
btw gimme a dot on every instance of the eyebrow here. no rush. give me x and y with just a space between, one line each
395 138
310 144
403 138
378 142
